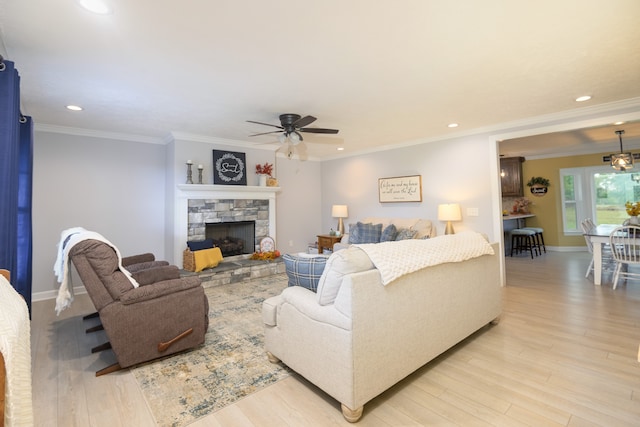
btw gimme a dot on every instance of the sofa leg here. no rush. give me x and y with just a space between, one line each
351 415
495 321
272 358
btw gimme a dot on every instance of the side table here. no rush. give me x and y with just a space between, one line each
326 241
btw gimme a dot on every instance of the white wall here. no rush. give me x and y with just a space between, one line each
113 187
453 171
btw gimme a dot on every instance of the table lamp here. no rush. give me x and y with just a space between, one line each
449 212
340 211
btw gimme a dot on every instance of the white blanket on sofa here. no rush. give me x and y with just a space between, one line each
395 259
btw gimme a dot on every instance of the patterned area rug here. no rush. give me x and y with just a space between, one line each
231 364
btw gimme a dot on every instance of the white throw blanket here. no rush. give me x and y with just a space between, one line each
394 259
68 239
15 346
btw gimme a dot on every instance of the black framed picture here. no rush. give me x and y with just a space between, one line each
229 168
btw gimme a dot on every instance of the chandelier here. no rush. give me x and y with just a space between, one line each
623 161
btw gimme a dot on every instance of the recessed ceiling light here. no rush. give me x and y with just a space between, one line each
619 123
452 125
583 98
74 108
96 6
340 148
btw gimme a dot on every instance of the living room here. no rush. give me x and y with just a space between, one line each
123 183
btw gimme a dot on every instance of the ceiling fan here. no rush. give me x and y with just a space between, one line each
291 126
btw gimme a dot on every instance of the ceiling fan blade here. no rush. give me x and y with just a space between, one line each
319 130
265 124
266 133
304 121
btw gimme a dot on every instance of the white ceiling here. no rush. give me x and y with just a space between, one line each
384 72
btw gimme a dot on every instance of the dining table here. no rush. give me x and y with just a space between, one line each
599 236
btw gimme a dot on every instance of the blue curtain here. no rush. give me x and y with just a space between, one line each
16 177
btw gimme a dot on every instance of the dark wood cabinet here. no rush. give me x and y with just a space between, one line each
511 176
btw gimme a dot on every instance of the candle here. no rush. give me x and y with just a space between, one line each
200 167
189 162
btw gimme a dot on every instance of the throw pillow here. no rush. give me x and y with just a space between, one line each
389 234
353 233
200 245
304 271
366 233
405 234
340 264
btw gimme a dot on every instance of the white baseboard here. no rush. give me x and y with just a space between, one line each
47 295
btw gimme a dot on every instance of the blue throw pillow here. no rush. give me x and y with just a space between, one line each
200 245
389 234
305 271
406 234
366 233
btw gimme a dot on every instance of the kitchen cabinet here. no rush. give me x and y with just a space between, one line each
511 176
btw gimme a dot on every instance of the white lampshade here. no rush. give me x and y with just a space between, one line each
449 212
339 211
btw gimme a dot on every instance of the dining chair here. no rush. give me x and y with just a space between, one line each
607 258
625 249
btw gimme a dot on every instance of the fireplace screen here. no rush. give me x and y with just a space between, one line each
233 238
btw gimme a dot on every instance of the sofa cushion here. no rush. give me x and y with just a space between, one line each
340 264
304 271
405 234
366 233
389 233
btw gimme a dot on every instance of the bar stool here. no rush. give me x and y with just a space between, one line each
522 239
538 237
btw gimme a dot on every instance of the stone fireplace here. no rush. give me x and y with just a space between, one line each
200 205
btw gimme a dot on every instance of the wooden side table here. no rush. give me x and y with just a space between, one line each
326 241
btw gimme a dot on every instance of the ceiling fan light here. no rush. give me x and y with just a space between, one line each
295 138
282 138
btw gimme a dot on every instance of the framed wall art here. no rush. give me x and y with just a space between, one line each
400 189
229 168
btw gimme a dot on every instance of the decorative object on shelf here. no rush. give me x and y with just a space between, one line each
189 172
265 255
622 161
229 168
538 185
340 212
267 244
521 206
200 168
449 212
272 182
263 172
400 189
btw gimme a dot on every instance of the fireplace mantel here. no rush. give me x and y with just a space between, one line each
186 192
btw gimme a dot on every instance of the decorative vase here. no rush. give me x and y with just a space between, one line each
262 180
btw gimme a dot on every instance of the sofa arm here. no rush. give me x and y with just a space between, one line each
305 302
133 268
159 289
158 274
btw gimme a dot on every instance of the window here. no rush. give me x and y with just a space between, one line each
598 193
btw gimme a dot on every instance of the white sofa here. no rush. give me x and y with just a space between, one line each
357 339
422 227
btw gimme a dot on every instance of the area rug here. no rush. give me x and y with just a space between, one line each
230 365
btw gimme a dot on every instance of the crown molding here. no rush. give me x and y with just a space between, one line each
43 127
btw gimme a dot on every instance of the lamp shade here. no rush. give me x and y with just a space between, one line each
339 211
449 212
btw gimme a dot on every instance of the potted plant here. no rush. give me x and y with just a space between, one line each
538 185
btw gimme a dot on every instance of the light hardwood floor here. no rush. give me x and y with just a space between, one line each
564 354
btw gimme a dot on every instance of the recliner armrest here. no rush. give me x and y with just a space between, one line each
137 259
132 268
159 289
157 274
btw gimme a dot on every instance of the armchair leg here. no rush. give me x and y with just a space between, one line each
272 358
91 316
94 329
163 346
351 415
109 369
101 347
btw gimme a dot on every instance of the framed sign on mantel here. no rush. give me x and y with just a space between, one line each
400 189
229 168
